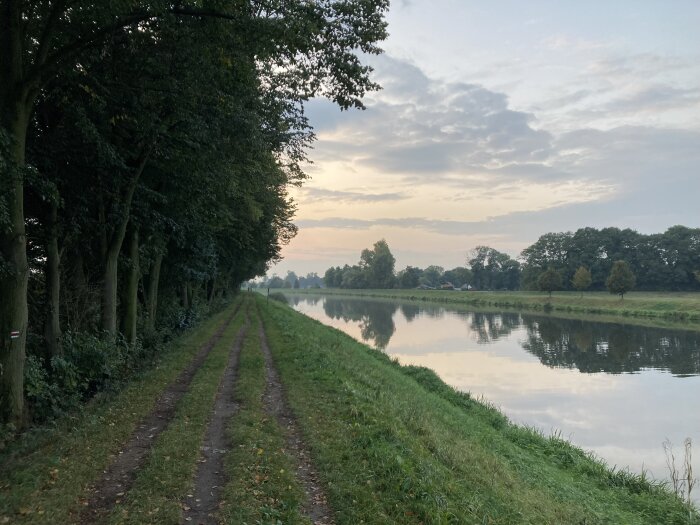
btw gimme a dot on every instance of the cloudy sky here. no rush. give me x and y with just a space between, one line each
501 121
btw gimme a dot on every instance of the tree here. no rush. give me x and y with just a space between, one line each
432 275
550 280
379 263
493 270
409 277
582 279
621 279
138 114
458 276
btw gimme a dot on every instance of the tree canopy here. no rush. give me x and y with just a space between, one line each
621 279
146 153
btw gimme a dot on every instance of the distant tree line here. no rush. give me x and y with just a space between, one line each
292 280
146 152
587 259
663 261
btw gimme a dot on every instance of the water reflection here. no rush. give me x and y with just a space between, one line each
490 327
375 319
612 348
586 346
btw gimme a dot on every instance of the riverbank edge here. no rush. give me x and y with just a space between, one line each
644 306
551 451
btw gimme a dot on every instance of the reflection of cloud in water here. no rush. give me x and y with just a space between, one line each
483 371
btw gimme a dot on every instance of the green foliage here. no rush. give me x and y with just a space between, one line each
493 270
378 265
88 365
621 279
550 280
663 261
278 296
190 131
582 279
409 277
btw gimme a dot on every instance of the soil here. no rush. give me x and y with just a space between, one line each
315 507
119 476
202 503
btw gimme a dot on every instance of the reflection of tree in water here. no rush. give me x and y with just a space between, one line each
376 319
490 327
296 299
410 311
612 348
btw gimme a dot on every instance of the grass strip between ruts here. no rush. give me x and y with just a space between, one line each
263 487
396 445
44 476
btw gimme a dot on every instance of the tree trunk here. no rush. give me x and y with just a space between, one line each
13 280
52 329
185 297
109 292
211 288
113 246
132 289
152 292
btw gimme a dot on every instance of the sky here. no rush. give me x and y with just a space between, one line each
501 121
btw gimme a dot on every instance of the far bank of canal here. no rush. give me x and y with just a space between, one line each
618 390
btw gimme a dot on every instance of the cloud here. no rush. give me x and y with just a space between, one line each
433 151
423 127
319 194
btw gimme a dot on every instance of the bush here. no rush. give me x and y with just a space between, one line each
89 364
278 296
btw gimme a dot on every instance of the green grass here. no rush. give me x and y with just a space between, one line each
45 473
263 488
396 445
391 444
666 306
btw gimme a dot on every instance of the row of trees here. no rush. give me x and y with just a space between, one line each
146 150
610 258
486 269
620 281
663 261
292 280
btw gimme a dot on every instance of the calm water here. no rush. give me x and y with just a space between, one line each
617 390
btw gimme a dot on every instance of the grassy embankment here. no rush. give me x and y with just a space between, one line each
666 306
391 444
396 445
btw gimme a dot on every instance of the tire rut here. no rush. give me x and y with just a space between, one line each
316 505
119 476
201 505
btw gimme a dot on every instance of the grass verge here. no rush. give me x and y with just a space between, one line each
263 487
45 473
395 444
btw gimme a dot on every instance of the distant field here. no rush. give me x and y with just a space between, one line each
667 306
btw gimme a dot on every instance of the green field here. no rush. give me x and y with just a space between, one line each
391 444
